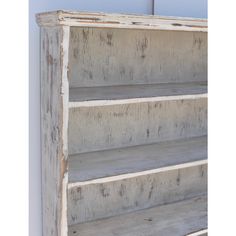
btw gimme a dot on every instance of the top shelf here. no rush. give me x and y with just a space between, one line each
104 20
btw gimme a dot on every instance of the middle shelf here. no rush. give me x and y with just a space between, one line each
100 164
85 95
142 116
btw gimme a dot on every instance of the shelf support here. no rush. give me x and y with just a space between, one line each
54 126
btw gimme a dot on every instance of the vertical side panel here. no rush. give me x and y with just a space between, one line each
54 124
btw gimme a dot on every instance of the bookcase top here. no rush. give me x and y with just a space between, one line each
129 21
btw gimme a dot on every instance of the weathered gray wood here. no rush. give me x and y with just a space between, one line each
105 20
92 165
110 196
54 125
177 219
100 125
106 57
135 91
132 80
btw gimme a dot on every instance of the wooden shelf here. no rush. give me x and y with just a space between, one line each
131 92
181 218
93 165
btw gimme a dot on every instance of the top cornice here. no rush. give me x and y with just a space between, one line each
127 21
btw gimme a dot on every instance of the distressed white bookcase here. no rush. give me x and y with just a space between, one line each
124 124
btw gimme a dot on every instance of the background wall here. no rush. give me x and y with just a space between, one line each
186 8
193 8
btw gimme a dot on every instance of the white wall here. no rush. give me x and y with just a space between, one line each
195 8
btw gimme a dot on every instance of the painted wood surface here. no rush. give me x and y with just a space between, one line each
108 125
106 57
116 81
203 232
134 91
106 197
176 219
54 125
105 20
93 165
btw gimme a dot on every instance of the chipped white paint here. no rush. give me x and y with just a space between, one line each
103 20
177 219
94 165
138 174
54 123
106 57
110 102
102 127
116 81
106 197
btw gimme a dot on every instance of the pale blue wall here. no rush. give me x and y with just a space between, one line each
186 8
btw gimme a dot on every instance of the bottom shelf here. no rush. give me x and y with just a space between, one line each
187 217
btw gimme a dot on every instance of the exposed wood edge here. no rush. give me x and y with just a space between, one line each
104 20
64 91
94 103
137 174
74 13
64 223
199 233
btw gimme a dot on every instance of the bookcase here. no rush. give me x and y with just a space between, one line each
123 124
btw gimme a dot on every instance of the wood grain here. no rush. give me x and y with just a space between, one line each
93 165
80 94
176 219
105 20
54 125
125 97
101 125
115 195
106 57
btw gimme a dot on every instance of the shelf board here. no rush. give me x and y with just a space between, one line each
112 95
101 164
180 218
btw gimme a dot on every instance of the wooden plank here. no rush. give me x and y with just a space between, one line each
102 164
100 125
110 196
175 219
106 57
203 232
103 20
135 91
112 102
54 125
